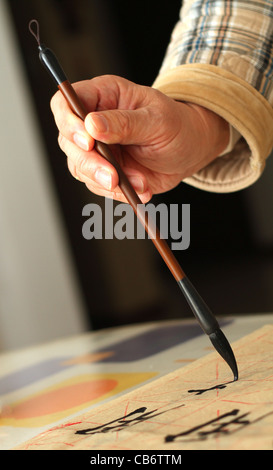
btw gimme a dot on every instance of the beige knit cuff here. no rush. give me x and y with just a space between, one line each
243 107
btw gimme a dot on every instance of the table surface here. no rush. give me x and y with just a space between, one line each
43 386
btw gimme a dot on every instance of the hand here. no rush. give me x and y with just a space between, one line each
162 141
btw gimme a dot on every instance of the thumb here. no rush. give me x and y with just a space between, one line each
119 126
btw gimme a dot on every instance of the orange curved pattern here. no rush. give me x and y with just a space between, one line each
66 398
60 399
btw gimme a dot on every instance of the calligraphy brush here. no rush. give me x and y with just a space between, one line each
201 311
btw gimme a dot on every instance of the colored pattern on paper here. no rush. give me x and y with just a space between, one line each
197 407
68 397
138 347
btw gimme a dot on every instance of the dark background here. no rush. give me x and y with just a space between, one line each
225 260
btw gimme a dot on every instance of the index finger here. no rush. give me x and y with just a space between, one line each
68 123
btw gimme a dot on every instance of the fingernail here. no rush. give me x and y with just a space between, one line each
137 183
99 122
104 178
81 141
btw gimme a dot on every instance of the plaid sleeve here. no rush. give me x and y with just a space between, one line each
221 56
234 35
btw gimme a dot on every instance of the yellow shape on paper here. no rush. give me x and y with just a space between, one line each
68 397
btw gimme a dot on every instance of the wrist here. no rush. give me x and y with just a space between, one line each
214 131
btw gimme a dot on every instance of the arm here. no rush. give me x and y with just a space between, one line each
220 57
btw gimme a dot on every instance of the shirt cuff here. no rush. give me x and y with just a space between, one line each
234 136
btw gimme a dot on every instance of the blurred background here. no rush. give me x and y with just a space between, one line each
53 282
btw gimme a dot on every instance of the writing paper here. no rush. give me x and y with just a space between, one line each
196 407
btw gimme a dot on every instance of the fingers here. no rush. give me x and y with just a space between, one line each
100 92
120 126
117 195
77 138
98 175
70 126
73 140
89 165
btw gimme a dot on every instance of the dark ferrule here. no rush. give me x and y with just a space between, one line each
52 65
201 311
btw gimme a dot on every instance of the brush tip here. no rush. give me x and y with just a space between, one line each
223 347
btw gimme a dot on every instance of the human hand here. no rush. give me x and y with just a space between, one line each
162 141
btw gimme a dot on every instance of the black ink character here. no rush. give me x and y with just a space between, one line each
219 425
131 419
204 390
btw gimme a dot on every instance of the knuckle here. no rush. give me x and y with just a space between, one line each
64 124
64 118
56 104
73 170
71 167
74 154
61 141
81 166
53 103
